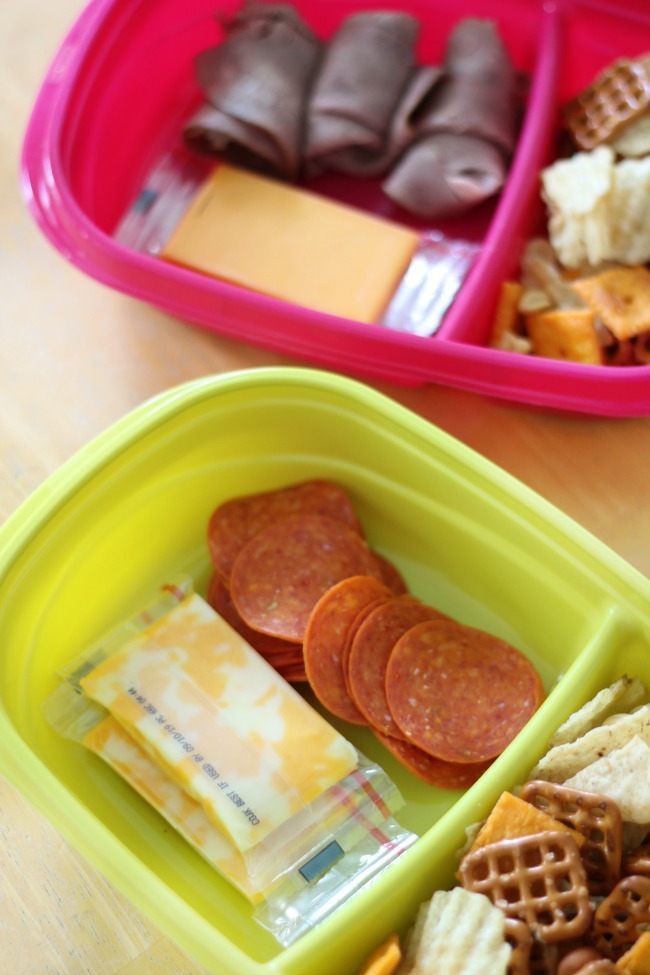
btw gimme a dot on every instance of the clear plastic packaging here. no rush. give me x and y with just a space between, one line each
307 853
88 724
419 304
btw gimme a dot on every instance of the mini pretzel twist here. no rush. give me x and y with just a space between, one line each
599 820
539 879
621 917
637 861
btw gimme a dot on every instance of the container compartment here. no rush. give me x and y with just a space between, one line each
131 509
91 145
620 647
108 144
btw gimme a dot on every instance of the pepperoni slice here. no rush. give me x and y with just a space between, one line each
330 629
293 673
236 521
352 631
281 573
270 647
371 648
391 574
460 693
433 771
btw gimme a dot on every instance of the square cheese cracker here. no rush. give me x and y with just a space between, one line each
636 960
564 333
512 817
620 298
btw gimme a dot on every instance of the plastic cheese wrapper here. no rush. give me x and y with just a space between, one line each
220 721
278 801
223 221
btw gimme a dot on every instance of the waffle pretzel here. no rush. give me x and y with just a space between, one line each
617 97
599 820
539 879
621 917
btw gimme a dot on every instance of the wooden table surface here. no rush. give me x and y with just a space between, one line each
75 357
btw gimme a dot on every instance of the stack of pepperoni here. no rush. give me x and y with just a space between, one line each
295 576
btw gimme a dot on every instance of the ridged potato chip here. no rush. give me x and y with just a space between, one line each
634 140
622 696
630 219
624 776
597 208
564 761
458 931
576 192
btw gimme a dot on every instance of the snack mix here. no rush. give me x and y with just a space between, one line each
556 880
582 292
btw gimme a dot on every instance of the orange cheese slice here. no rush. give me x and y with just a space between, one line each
291 244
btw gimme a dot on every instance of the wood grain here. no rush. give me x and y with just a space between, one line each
75 357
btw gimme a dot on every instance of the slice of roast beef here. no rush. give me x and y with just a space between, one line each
358 161
212 132
479 93
464 129
445 175
256 81
366 68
